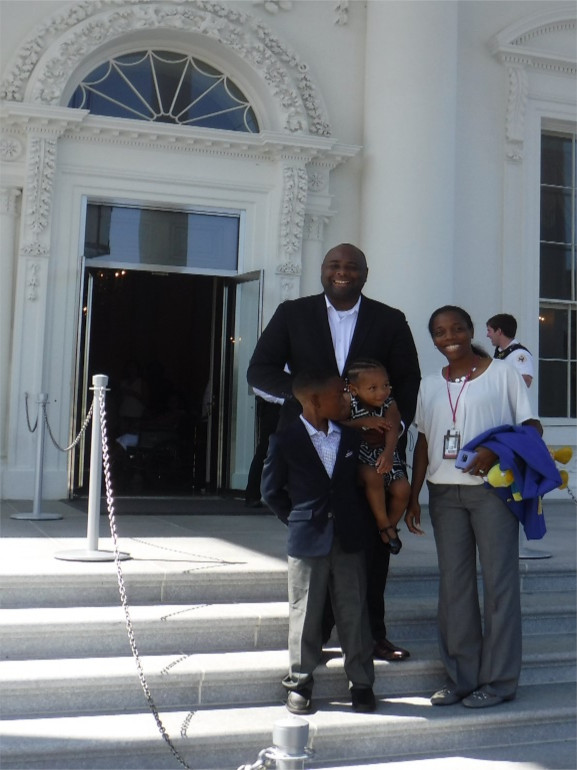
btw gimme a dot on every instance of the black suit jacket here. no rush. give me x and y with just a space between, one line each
299 334
316 507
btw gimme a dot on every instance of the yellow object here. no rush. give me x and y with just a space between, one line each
498 478
562 455
564 479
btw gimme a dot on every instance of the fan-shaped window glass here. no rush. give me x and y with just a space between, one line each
165 87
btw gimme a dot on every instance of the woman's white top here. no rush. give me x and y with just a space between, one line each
496 397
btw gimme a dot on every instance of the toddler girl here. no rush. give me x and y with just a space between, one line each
373 408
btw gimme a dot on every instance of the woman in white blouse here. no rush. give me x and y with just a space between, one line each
471 394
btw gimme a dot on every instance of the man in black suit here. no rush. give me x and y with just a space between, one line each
308 481
329 331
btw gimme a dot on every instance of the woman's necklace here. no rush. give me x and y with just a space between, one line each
464 377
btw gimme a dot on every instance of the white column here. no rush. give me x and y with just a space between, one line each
30 301
407 229
8 225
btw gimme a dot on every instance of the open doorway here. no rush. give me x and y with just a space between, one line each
155 336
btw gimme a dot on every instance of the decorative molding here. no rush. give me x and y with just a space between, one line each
318 179
11 149
293 212
511 44
518 91
342 13
274 6
314 227
9 201
289 288
33 280
511 48
514 153
288 268
40 176
41 68
554 64
34 249
563 25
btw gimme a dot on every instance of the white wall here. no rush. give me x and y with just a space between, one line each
432 200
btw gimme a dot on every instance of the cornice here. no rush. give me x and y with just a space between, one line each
537 60
512 45
79 125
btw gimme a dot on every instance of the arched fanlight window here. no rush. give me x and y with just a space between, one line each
165 87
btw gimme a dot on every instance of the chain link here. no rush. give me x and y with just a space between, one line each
80 433
30 428
121 585
571 494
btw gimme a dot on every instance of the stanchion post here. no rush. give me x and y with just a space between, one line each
91 553
99 381
36 514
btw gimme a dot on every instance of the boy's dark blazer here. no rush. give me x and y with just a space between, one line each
316 508
299 335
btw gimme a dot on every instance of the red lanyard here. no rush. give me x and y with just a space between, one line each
454 408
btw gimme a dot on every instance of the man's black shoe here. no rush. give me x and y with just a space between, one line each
297 703
363 699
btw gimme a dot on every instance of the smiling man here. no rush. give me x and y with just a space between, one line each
328 331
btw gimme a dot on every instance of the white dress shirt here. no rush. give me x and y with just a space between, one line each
326 444
342 324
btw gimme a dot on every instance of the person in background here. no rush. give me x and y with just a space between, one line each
501 330
328 331
267 414
309 482
471 394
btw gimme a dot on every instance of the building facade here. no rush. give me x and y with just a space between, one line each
173 170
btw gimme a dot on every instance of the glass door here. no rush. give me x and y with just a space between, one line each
241 315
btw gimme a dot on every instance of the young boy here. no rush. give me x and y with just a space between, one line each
310 482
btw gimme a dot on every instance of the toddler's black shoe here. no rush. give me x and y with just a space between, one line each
394 545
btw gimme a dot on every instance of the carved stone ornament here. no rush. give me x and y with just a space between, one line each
513 47
342 13
288 268
293 211
32 280
34 249
41 68
314 229
10 148
318 180
518 91
40 176
9 200
274 6
289 288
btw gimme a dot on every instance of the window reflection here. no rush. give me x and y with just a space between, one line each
165 87
126 235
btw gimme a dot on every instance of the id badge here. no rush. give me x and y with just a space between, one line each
451 444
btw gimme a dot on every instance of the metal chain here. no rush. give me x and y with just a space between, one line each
30 428
571 494
121 586
261 763
80 433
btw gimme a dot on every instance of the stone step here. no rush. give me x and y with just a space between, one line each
36 688
73 632
404 726
97 583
